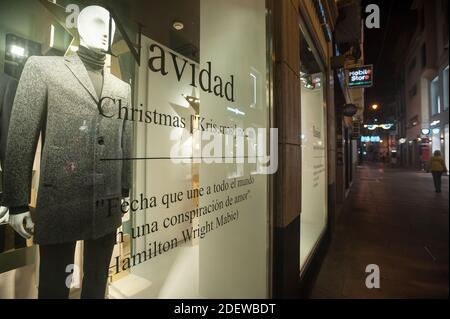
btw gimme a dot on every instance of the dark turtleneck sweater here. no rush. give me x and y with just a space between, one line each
94 63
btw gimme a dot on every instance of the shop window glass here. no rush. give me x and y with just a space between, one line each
314 152
446 146
446 88
147 172
435 98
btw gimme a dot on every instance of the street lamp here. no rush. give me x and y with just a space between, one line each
375 107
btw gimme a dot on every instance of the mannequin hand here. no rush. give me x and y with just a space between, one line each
3 214
17 221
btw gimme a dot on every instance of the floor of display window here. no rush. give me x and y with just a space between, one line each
309 236
173 276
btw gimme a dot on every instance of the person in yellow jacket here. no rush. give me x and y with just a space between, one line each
437 168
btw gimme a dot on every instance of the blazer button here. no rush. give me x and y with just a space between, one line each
101 140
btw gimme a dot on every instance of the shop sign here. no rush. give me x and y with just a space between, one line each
360 77
370 139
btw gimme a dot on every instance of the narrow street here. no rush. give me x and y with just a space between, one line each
393 218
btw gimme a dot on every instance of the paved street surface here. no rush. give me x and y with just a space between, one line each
392 218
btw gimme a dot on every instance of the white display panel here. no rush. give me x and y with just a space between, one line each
314 167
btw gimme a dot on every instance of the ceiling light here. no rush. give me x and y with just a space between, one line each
235 111
178 25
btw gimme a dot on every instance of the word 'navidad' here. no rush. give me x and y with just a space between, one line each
205 78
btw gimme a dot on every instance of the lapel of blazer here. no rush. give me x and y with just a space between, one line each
78 69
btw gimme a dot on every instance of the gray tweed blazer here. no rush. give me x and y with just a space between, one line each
79 193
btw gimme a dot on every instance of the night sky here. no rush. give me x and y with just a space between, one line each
386 48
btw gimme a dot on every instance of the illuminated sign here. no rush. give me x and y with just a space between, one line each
373 127
435 123
386 126
360 77
370 139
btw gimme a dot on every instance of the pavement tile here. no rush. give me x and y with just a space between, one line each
394 219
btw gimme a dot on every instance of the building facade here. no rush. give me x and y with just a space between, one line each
425 88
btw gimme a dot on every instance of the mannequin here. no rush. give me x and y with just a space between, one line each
73 179
93 24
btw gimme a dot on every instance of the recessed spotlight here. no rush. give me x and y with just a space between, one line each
178 25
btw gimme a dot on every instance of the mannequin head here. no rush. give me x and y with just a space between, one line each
93 27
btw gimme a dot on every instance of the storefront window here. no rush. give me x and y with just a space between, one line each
435 98
446 84
436 139
148 173
314 150
446 145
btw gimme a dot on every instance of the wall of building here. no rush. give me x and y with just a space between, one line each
287 120
286 95
429 47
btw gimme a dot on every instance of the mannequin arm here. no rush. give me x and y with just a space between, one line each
25 125
17 223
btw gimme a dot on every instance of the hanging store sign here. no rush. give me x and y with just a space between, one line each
360 77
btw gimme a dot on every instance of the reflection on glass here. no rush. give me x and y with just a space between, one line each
178 237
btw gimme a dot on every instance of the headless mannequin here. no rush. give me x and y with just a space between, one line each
93 27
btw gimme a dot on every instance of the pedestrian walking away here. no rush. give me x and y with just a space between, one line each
437 168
